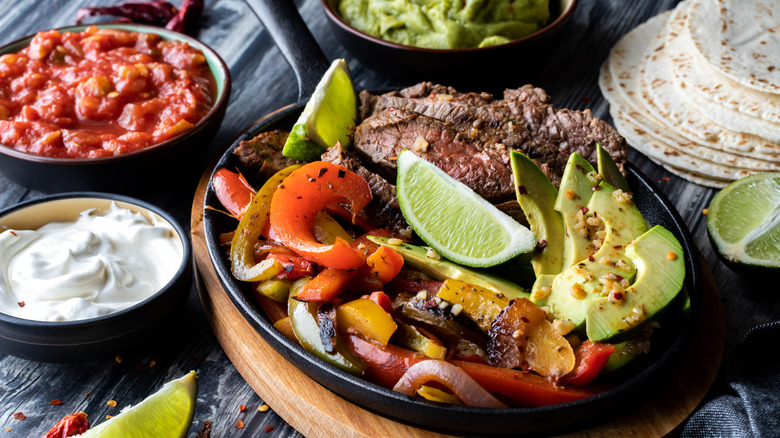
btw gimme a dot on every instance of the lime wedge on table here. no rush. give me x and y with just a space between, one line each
327 117
459 224
166 413
743 223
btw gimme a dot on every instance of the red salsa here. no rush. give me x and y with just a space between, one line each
101 92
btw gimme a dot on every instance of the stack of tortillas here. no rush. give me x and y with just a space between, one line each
697 89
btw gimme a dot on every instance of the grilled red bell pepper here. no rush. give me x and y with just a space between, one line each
386 364
326 286
233 191
590 358
523 388
304 193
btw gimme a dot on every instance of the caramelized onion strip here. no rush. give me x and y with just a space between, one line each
454 378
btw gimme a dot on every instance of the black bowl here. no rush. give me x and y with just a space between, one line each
458 67
107 336
668 342
128 173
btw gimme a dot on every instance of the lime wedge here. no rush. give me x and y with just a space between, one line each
166 413
459 224
327 117
743 223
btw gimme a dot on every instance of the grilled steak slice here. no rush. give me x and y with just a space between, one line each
264 153
483 167
524 120
383 210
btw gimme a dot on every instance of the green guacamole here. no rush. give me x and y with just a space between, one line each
446 24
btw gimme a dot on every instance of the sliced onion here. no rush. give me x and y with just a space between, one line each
454 378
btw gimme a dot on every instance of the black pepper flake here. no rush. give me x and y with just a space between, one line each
322 171
342 173
330 185
299 197
281 186
312 179
522 190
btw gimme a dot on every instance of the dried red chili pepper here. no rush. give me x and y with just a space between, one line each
71 425
189 13
157 12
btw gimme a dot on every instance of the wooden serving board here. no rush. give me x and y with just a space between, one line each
315 411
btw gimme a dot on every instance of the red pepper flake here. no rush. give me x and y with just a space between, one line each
584 210
55 402
666 178
242 408
618 295
268 429
591 258
205 432
20 303
239 424
585 99
598 187
86 394
617 246
322 171
542 244
522 190
12 232
145 366
19 416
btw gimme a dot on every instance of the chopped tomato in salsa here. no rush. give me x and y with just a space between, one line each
101 92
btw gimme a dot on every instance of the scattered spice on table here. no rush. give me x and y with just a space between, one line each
111 403
55 402
205 432
118 359
239 424
263 408
19 416
242 408
268 429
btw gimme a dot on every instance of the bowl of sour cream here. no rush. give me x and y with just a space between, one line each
88 275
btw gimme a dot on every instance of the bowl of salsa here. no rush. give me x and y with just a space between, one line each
107 107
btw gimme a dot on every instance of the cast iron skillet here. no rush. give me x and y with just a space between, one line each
284 23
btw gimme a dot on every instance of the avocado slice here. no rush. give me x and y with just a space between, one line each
582 282
660 264
609 171
574 193
536 196
417 257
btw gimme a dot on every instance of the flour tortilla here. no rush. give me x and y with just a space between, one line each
663 98
701 78
740 39
643 133
660 118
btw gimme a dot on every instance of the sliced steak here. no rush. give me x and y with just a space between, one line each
264 153
483 167
524 120
383 210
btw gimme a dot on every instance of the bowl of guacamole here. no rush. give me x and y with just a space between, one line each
460 42
446 24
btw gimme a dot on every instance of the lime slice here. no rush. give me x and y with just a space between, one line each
166 413
459 224
327 117
743 223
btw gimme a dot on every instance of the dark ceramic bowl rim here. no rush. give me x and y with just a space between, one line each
559 21
216 65
365 393
180 271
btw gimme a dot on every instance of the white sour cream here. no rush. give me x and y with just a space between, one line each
99 264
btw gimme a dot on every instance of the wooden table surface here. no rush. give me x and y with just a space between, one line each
263 82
